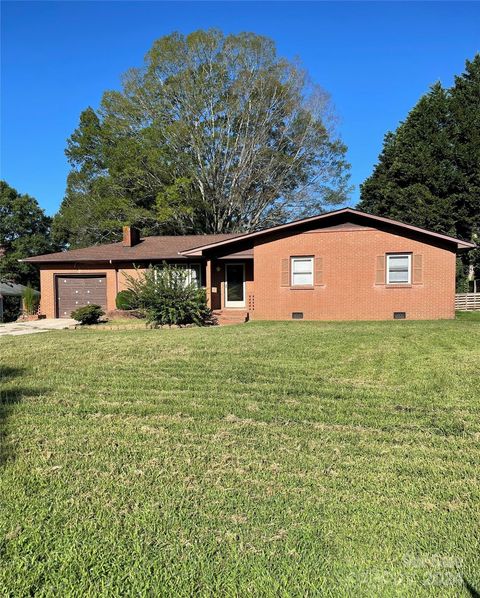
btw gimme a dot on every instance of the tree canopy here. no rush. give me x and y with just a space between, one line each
215 133
428 173
24 231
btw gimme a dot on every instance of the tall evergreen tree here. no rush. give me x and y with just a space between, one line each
428 173
465 123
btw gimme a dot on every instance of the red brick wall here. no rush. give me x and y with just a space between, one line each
349 291
115 277
47 285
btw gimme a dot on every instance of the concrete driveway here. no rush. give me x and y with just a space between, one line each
16 328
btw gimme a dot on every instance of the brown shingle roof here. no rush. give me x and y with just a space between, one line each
347 212
149 248
169 247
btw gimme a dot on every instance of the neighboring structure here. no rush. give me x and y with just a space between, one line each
9 289
343 265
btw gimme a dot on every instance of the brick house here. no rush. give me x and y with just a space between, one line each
342 265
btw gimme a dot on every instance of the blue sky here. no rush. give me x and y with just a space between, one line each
375 59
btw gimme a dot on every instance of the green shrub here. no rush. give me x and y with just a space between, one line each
30 300
167 298
89 314
126 300
12 308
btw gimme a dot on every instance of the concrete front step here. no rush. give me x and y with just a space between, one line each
225 317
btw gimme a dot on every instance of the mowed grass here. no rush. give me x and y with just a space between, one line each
267 459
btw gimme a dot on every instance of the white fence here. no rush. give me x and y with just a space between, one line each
467 301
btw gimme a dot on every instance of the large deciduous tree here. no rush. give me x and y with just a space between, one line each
428 173
213 134
24 231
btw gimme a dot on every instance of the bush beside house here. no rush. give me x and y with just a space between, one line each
89 314
30 300
126 300
166 297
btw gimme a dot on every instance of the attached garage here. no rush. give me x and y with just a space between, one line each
76 291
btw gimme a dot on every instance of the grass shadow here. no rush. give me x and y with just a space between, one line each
8 399
470 589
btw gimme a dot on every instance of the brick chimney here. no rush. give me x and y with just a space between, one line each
131 236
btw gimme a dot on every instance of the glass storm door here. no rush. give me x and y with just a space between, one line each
235 285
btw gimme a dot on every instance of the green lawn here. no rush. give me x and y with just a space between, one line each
267 459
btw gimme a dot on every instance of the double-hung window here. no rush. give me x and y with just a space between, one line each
302 271
399 267
193 273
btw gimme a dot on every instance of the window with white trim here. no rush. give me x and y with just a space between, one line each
193 273
302 271
399 268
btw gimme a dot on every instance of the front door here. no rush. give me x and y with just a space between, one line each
235 285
